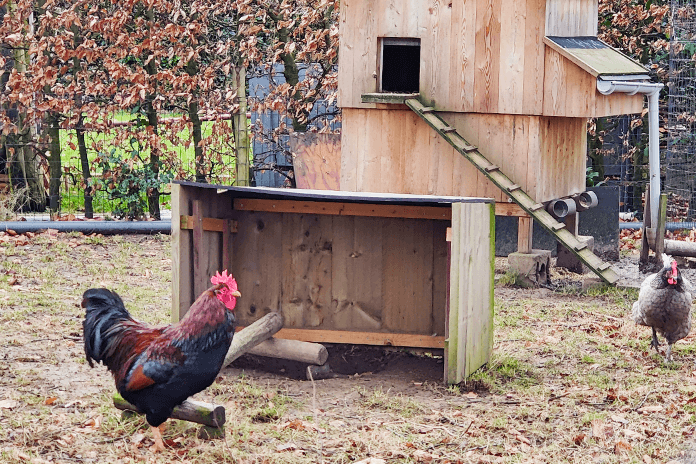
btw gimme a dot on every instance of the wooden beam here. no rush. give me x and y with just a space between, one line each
344 209
198 245
209 224
510 209
361 338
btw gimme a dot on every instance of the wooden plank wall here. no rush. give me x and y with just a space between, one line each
342 272
544 156
484 56
325 272
470 322
467 64
184 287
571 18
572 92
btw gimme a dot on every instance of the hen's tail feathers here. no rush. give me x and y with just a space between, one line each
104 310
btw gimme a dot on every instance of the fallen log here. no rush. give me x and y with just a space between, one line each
293 350
252 335
212 415
680 248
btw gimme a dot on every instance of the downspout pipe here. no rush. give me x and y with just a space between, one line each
652 91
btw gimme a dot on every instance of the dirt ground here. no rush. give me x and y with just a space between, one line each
571 379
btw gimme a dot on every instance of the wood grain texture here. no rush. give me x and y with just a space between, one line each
258 265
513 36
407 250
470 331
486 74
307 261
357 274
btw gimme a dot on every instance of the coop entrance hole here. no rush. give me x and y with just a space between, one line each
400 65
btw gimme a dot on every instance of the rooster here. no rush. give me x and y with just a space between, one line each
157 368
664 303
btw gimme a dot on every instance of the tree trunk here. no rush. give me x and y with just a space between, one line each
84 163
241 130
26 174
54 161
153 195
197 139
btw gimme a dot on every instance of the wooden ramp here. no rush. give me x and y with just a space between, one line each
514 191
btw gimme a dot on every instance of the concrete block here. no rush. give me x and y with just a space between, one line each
568 260
532 267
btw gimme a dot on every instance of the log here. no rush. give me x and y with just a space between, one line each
679 248
212 415
294 350
252 335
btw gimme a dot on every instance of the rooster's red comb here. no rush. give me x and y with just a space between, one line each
228 295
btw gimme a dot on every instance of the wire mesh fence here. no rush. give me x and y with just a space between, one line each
680 159
25 174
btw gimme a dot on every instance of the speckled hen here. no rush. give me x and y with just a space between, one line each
664 303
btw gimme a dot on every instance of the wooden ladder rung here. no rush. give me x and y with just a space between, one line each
537 206
557 226
427 109
514 188
580 247
604 266
448 129
491 168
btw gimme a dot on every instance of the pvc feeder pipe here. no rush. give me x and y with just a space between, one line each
91 227
561 207
652 91
585 200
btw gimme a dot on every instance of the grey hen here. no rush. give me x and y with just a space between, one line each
664 303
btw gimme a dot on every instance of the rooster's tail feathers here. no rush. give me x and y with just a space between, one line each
104 309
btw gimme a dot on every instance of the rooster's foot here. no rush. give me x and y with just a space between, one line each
157 435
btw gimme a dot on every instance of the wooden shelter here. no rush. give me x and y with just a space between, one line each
344 267
516 78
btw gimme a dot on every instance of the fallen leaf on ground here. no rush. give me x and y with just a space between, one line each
622 447
286 447
649 409
598 428
371 461
8 404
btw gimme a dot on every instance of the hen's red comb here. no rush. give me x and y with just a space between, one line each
672 280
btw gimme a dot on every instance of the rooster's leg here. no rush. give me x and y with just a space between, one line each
668 358
157 435
655 343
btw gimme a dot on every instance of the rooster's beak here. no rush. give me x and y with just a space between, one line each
236 294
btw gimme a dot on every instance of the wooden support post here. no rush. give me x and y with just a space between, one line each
252 335
469 337
198 280
644 245
525 227
660 228
212 415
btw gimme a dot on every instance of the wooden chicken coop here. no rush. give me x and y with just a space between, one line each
424 84
345 267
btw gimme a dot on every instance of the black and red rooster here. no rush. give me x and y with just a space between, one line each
157 368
